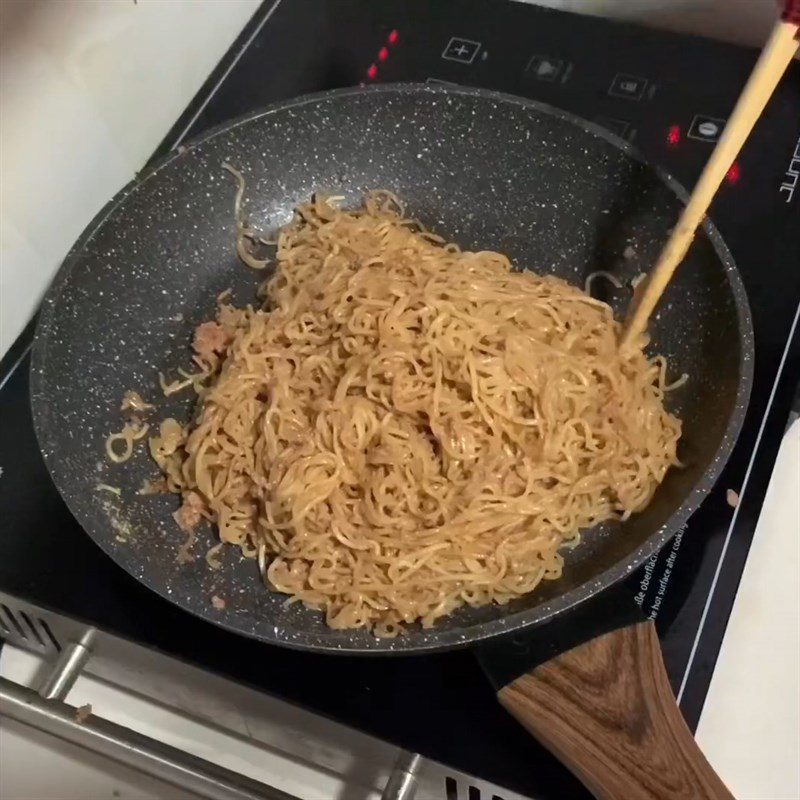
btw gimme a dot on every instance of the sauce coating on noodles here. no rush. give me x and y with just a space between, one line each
405 428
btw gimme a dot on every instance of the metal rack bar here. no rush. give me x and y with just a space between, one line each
130 748
72 660
402 783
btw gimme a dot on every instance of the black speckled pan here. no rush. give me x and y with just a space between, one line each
556 194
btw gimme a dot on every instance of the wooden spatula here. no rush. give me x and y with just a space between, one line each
775 58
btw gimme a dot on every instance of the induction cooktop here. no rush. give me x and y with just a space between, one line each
667 94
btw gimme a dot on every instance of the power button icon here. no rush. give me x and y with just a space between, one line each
706 129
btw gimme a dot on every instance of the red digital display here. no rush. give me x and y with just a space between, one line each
383 54
674 135
372 72
393 37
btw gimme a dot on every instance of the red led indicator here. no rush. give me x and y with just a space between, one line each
734 174
674 135
383 55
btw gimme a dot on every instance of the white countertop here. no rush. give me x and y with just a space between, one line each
88 88
750 727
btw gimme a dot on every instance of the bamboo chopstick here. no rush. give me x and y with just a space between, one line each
773 62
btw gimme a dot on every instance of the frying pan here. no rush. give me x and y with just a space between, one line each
487 170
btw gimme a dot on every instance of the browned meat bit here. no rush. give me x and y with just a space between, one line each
188 516
185 550
190 513
217 602
154 486
210 340
133 401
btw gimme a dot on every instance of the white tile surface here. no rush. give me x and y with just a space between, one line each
88 88
750 727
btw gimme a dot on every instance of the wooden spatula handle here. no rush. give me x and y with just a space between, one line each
607 711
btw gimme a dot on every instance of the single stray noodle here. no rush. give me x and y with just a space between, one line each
131 432
405 428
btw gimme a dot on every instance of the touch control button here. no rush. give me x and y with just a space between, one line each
462 50
706 129
631 87
544 68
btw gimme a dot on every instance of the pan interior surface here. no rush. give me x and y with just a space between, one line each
487 171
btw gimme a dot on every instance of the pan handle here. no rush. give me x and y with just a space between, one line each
605 707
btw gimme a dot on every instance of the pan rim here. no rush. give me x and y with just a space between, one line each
434 639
